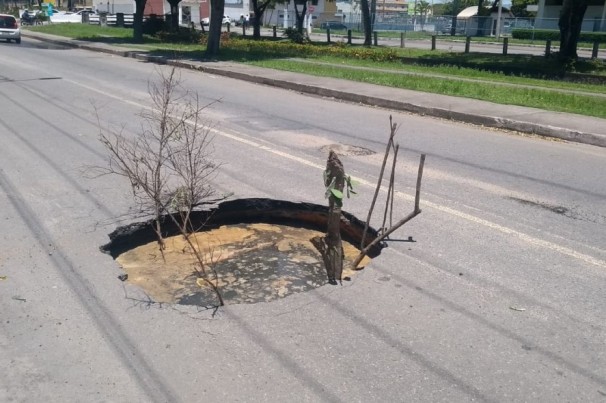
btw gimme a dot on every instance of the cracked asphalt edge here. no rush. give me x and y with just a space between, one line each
471 118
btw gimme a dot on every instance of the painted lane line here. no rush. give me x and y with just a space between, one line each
506 230
239 137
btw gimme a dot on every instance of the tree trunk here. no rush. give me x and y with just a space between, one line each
256 28
364 5
300 17
138 20
259 10
331 246
214 29
571 20
174 14
373 15
480 19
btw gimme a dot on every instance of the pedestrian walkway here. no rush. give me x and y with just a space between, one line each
565 126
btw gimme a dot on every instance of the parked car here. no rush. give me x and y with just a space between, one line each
226 20
334 26
9 28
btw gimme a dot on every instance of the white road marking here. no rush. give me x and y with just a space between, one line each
477 220
506 230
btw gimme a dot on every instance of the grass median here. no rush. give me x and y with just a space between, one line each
521 80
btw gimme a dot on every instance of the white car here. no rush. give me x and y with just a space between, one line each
226 20
9 28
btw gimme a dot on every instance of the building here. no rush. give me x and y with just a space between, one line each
549 12
469 23
392 7
193 11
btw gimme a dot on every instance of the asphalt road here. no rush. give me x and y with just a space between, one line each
500 298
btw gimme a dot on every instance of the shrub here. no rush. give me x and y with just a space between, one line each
226 38
183 35
554 35
294 35
290 49
593 37
536 34
154 24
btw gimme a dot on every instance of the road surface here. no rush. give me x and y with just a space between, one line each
501 296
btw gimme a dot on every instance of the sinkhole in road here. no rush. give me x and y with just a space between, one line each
259 250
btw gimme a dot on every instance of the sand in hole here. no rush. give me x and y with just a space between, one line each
254 263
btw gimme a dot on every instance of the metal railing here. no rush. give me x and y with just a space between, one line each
473 26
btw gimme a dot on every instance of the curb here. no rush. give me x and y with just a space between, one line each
475 119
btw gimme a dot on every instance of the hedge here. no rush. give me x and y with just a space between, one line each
554 35
291 49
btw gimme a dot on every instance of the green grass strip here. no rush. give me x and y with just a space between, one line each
467 73
488 67
536 98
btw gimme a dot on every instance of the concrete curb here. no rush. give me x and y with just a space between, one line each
476 119
464 117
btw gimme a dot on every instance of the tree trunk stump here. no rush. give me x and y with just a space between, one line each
330 246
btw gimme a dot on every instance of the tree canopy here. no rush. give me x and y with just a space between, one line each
456 6
518 7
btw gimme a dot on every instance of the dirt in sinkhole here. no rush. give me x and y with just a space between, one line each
254 262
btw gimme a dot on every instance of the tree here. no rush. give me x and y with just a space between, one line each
300 16
480 16
518 7
138 20
438 9
456 6
259 7
217 9
331 246
571 19
423 8
174 14
168 165
480 8
366 22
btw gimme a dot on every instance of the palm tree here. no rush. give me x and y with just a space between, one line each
423 8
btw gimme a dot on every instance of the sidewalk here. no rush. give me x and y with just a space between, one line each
570 127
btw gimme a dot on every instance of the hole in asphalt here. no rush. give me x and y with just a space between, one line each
259 248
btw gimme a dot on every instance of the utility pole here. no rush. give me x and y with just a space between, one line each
498 33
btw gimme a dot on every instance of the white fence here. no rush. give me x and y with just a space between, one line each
91 18
110 19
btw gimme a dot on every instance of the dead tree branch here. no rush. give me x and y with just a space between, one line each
364 251
169 163
393 129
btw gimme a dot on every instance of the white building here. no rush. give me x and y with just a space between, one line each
549 14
